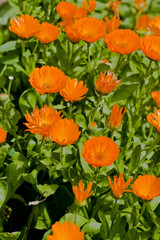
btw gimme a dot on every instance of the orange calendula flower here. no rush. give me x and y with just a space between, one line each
106 83
119 185
80 194
71 32
65 231
90 5
122 41
115 7
146 187
65 132
150 47
90 29
26 26
74 90
143 23
156 97
47 79
40 121
100 151
3 135
154 119
116 116
48 33
113 24
68 11
155 25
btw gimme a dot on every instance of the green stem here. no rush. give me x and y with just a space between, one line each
97 105
18 144
30 220
96 207
95 177
75 214
89 58
151 148
48 99
61 155
118 63
142 211
10 84
23 47
112 133
69 109
35 48
41 144
142 85
39 99
85 212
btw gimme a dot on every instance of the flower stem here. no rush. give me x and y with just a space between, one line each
75 214
49 101
69 109
142 211
30 220
23 47
118 63
97 105
61 155
35 48
10 84
89 58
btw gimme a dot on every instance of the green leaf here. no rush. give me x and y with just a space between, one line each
47 189
10 59
154 218
20 159
3 153
8 46
104 229
123 92
14 179
118 226
3 192
42 219
28 101
31 177
80 221
9 236
80 120
92 227
49 232
135 157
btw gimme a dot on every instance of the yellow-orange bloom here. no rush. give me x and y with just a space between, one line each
3 135
90 29
106 83
116 116
74 90
90 5
47 79
122 41
65 132
48 33
68 11
40 121
71 32
143 22
100 151
80 194
92 126
154 119
146 187
115 7
150 47
113 24
155 25
119 185
156 97
25 27
65 231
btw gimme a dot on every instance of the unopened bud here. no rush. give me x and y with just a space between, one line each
4 97
11 78
92 126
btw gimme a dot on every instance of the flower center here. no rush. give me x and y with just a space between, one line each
47 86
99 156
